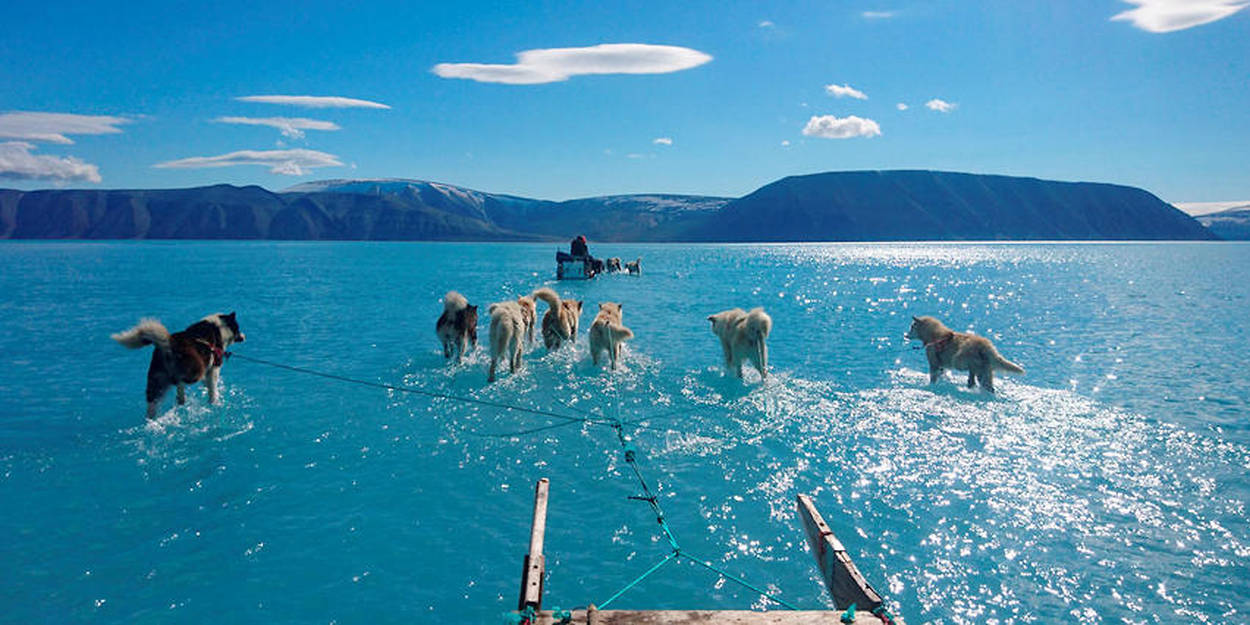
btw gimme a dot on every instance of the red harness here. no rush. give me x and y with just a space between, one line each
219 355
938 344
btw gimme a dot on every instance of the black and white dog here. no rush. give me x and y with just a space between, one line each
182 358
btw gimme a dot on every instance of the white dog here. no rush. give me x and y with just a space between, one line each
607 332
508 322
742 337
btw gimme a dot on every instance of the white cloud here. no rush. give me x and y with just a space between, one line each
288 162
845 91
556 64
941 106
830 127
767 24
900 106
17 163
55 127
1165 16
291 127
314 101
662 141
635 156
785 143
878 15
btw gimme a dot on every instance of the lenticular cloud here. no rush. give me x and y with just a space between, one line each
286 162
1164 16
557 64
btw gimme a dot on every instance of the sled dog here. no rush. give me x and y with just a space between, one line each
457 326
742 337
607 333
185 357
561 319
947 349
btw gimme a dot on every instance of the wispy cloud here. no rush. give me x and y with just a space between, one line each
901 106
18 163
941 106
291 127
56 127
662 141
1165 16
288 162
845 91
556 64
830 127
878 15
314 101
766 24
785 143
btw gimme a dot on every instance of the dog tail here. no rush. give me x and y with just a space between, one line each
453 302
620 332
547 295
758 324
148 332
998 362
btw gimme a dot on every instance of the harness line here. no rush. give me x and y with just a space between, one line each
616 423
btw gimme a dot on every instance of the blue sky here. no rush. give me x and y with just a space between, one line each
1157 98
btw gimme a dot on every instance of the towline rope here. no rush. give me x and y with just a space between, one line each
629 450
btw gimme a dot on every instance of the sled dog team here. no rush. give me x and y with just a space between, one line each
742 334
198 352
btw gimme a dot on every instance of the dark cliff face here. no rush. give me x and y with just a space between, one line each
1232 224
841 206
924 205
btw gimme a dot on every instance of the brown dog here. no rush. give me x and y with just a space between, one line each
182 358
948 349
561 319
457 326
607 332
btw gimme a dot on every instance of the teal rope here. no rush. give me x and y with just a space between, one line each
668 558
740 581
615 422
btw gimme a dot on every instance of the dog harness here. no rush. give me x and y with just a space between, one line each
219 356
940 343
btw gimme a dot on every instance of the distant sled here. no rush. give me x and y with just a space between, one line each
570 267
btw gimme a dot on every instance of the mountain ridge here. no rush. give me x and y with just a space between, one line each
865 205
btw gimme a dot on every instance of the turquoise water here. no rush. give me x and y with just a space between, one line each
1108 484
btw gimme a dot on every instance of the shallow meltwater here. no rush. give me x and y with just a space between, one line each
1106 484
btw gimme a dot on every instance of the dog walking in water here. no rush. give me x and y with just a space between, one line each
561 319
183 358
510 323
948 349
607 333
742 337
457 327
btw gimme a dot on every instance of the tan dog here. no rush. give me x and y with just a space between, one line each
561 319
507 334
948 349
607 332
612 265
529 312
742 337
